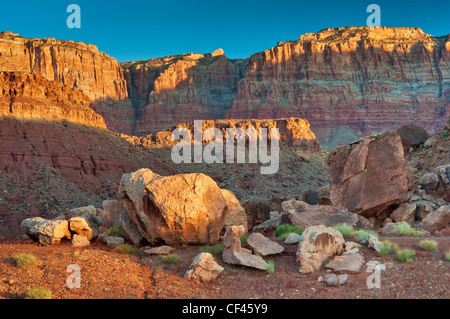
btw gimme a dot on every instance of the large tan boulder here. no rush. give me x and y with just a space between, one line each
235 254
203 268
368 176
47 232
317 245
236 215
131 230
110 214
178 209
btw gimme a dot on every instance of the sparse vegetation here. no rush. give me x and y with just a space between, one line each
244 240
364 234
284 236
171 259
216 249
115 231
346 230
447 256
388 248
24 260
38 293
287 229
429 245
127 249
406 255
404 228
270 267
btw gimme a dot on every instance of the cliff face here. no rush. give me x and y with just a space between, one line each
181 88
293 132
356 79
74 64
27 96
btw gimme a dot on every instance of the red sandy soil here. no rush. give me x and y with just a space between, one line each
105 273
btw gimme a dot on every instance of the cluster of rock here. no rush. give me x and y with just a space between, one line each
81 225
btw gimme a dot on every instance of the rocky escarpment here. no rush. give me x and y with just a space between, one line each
74 64
181 88
293 132
28 96
350 81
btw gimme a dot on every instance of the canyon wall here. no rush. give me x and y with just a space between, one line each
181 88
350 81
75 64
26 96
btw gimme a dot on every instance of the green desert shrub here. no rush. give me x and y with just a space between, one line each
404 228
287 229
244 240
284 236
405 255
364 234
388 248
447 256
38 293
429 245
24 260
115 231
346 230
171 259
216 249
270 267
127 249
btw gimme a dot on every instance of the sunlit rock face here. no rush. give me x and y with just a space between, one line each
74 64
182 88
350 82
28 96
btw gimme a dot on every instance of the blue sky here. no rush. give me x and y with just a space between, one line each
139 30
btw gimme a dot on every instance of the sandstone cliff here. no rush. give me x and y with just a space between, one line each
357 78
27 96
181 88
74 64
293 132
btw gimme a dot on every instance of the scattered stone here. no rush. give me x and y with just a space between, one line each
350 245
444 173
234 254
263 246
368 176
204 268
412 135
352 263
374 243
80 241
334 280
318 243
178 209
292 239
404 213
305 215
47 232
79 211
161 250
424 208
269 224
323 197
257 212
113 241
236 213
85 225
389 229
429 181
437 220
